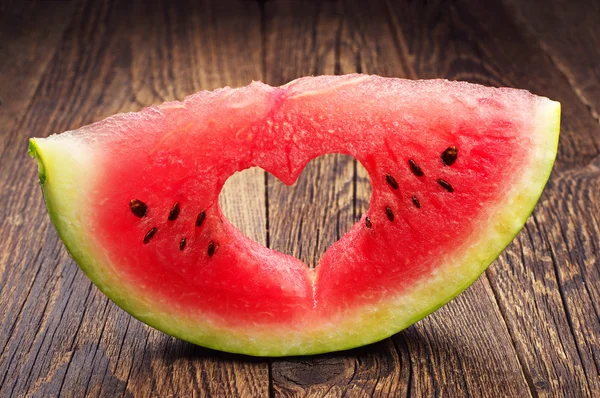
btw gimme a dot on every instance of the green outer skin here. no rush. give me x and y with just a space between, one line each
64 165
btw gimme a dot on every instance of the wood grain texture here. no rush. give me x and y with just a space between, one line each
529 327
329 196
474 317
563 302
113 57
301 40
23 61
569 34
24 58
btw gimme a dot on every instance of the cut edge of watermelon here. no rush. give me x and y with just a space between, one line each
63 162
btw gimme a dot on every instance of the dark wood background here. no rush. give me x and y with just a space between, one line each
529 326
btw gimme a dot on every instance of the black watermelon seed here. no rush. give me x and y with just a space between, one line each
200 218
416 202
149 235
138 208
368 223
446 185
174 213
391 181
449 155
414 167
389 213
211 248
182 243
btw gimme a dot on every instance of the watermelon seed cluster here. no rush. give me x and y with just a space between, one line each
448 157
140 210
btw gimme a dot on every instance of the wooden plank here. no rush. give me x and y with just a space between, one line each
559 244
28 44
530 279
40 347
548 277
306 219
490 56
366 45
329 196
442 348
569 32
463 349
25 52
372 371
60 335
65 337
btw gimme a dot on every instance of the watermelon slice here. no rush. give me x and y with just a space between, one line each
456 169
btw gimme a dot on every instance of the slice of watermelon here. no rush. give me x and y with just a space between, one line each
455 168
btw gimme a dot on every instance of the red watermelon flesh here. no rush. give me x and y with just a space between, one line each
455 168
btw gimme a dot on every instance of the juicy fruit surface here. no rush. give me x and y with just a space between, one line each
190 161
425 213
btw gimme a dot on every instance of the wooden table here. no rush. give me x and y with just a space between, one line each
529 326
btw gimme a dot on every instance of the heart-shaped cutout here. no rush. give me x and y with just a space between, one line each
304 219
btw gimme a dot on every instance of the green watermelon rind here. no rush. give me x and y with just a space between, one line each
62 164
